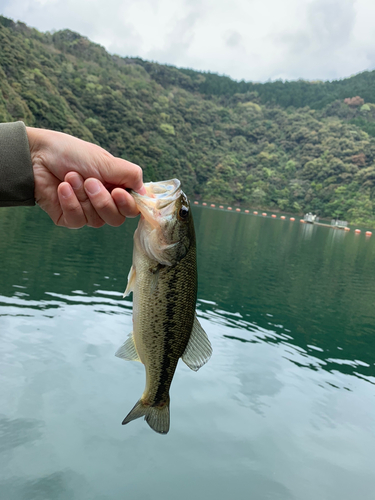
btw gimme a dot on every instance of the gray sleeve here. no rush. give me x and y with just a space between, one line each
16 170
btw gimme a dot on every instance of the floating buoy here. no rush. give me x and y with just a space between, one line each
238 210
221 206
204 204
368 233
357 231
246 211
346 228
255 213
229 208
274 216
212 204
196 203
264 214
292 219
282 217
301 220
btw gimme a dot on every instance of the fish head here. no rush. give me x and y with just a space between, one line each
166 229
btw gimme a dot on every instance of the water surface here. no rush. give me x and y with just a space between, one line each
285 409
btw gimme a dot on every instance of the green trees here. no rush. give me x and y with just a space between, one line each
291 146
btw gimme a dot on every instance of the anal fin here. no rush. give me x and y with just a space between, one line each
199 350
128 351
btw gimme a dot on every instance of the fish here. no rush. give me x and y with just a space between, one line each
163 279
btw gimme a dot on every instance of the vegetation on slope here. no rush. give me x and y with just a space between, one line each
246 145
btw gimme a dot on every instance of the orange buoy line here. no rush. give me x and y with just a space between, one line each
274 216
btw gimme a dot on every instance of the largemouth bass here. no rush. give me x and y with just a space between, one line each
163 279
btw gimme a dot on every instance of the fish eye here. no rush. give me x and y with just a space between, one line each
184 212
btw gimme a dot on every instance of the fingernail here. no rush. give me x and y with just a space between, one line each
65 190
75 182
142 191
92 186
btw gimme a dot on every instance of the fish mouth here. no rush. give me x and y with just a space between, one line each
159 200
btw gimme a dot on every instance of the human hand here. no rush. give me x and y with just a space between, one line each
78 183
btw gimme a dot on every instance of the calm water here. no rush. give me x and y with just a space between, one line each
284 410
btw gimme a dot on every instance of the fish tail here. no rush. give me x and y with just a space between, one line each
157 417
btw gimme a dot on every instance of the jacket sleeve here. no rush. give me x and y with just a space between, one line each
16 170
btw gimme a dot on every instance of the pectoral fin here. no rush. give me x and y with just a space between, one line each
128 350
199 350
131 281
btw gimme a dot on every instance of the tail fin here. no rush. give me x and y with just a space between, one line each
156 417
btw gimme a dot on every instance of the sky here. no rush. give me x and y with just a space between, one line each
252 40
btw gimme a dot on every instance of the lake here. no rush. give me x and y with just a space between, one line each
285 408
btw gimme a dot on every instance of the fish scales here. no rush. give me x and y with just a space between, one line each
163 279
166 322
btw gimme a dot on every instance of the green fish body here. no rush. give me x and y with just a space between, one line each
163 279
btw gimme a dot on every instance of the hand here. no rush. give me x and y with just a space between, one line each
78 183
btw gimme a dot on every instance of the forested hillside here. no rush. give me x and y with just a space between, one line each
294 146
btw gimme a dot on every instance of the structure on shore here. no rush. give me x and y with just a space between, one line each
310 218
339 224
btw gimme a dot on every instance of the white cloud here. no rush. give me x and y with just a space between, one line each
246 39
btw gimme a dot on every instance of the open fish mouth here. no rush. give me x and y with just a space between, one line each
164 190
159 200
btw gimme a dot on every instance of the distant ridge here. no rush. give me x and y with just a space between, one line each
300 93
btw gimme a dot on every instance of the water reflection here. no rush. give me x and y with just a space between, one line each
320 289
288 394
58 485
18 432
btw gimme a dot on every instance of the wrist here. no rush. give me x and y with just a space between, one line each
35 138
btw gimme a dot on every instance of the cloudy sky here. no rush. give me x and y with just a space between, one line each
254 40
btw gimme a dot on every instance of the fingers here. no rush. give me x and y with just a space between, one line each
123 173
103 203
98 205
92 218
72 213
125 202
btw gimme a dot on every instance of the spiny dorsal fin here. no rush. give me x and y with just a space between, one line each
131 281
199 350
128 350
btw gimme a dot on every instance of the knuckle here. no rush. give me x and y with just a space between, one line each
96 224
117 222
138 172
74 209
103 203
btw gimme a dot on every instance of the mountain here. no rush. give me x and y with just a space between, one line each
293 146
